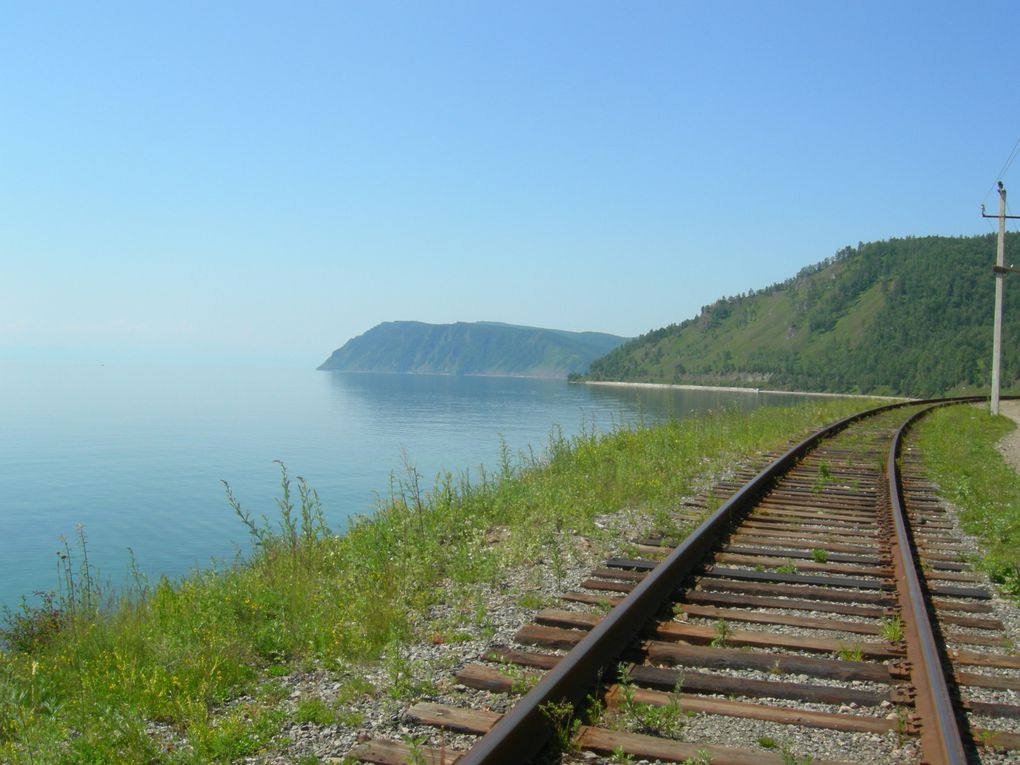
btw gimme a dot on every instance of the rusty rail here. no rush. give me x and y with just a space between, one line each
523 731
526 729
941 740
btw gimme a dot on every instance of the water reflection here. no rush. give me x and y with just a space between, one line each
136 455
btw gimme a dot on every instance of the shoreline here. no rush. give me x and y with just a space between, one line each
735 389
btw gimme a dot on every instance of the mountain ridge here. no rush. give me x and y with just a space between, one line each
470 348
905 316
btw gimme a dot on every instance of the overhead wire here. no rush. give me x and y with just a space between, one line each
1012 156
1005 166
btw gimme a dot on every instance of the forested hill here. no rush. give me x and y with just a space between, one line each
905 316
480 348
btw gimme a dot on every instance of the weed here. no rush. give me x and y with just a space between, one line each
314 711
667 719
415 751
664 719
595 708
785 752
786 568
712 502
271 692
296 535
1007 576
621 756
667 527
349 718
985 738
242 732
259 533
561 716
532 601
33 627
789 758
892 629
408 680
822 478
354 688
701 758
723 632
819 556
901 727
958 445
852 653
626 685
558 547
520 681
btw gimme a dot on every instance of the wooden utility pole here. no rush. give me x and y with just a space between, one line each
1000 271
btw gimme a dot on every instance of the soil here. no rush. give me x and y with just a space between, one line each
1010 445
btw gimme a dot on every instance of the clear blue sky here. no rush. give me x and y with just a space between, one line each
266 180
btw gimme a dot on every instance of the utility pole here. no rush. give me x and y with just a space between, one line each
1000 271
1000 261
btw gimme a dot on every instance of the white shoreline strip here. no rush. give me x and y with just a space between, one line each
739 390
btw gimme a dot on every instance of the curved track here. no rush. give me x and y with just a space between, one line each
817 555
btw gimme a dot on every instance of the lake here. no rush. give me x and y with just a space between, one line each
136 454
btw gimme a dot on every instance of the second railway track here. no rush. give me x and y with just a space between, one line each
825 602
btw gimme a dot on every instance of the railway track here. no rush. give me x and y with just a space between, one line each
827 601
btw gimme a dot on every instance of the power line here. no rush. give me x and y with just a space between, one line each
1009 161
1012 156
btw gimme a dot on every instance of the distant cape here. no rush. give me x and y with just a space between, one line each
478 348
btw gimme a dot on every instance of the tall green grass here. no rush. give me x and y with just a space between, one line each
180 672
958 447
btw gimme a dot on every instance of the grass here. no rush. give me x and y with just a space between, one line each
958 446
315 711
667 719
560 716
892 629
86 676
723 632
852 653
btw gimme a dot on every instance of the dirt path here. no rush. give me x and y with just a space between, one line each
1010 445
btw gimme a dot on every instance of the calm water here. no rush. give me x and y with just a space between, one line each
136 455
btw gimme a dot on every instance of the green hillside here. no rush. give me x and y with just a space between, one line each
480 348
906 316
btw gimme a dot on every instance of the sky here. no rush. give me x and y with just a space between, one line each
260 181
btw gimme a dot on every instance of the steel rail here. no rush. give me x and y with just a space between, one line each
941 739
524 730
